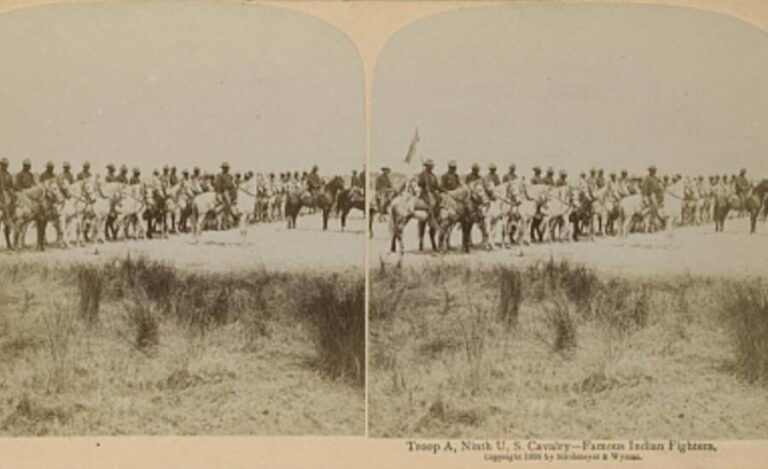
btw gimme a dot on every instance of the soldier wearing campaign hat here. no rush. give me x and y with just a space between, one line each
450 179
549 179
111 176
135 177
493 176
7 184
123 176
474 175
536 178
85 173
24 178
427 182
511 175
48 174
66 173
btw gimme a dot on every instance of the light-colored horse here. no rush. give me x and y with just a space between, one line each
244 209
75 211
106 196
672 210
130 210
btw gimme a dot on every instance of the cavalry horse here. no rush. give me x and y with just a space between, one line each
244 208
465 206
36 204
753 203
75 210
106 196
405 206
323 199
346 200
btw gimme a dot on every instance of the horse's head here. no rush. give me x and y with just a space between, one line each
52 191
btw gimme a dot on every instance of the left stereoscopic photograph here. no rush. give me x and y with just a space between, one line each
182 208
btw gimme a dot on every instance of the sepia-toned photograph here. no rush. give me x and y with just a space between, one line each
568 225
182 201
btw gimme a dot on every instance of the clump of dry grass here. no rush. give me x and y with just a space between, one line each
59 325
144 321
510 294
89 284
745 309
336 306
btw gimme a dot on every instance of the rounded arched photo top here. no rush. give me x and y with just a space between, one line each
179 83
575 86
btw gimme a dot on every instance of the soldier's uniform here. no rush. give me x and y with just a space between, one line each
492 177
48 174
549 179
622 188
428 184
510 176
651 188
135 177
6 186
224 185
6 180
25 179
537 179
562 180
66 175
123 176
600 179
474 175
450 179
383 182
313 180
111 176
742 184
85 173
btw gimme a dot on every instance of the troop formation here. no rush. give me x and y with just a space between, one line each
167 199
591 202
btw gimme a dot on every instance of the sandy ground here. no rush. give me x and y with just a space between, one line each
689 250
266 244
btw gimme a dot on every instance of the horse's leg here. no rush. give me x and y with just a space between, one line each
421 228
343 215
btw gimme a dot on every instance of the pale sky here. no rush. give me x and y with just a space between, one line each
189 84
576 86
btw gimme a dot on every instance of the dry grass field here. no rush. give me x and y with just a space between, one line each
554 349
104 341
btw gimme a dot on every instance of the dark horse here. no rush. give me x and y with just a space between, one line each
753 203
322 199
346 200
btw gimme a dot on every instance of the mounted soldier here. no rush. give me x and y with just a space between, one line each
314 182
562 181
623 186
492 177
224 185
549 179
66 174
743 186
173 178
135 177
48 174
600 179
111 176
537 179
474 175
24 178
427 182
123 176
85 173
511 175
450 179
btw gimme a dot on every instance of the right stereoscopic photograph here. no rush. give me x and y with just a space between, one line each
568 236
